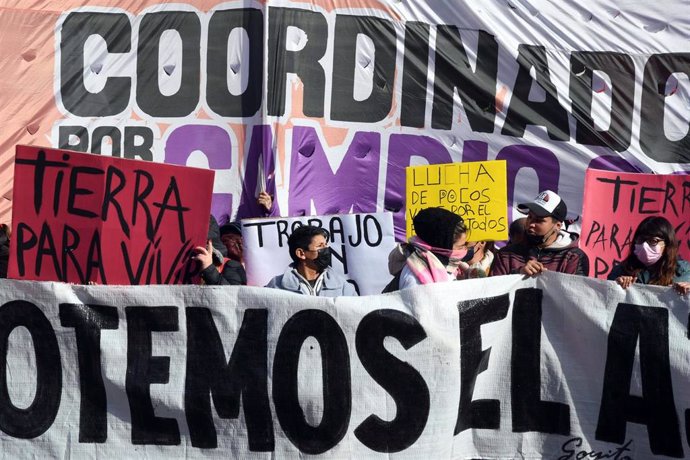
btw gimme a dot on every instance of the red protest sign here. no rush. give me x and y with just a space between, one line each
82 217
614 205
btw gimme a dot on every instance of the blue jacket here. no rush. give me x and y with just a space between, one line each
329 284
682 273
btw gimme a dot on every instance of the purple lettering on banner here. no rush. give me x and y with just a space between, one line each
475 151
260 153
401 147
541 160
613 163
212 141
353 188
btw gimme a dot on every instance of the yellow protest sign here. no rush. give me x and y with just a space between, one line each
476 191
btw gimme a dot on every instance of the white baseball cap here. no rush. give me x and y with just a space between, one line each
547 203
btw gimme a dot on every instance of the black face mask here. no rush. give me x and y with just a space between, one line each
470 254
537 240
323 260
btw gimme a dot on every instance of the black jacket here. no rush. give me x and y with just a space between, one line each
4 254
232 274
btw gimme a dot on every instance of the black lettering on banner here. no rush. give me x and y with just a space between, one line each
295 225
245 376
315 222
79 132
337 388
653 140
95 259
617 182
377 105
143 369
75 190
480 413
402 381
530 413
109 197
648 327
522 111
40 164
149 96
135 277
57 191
379 231
340 256
453 72
116 30
70 242
46 247
133 149
219 99
304 63
24 240
281 230
335 228
139 200
34 420
413 99
112 133
259 233
601 267
87 321
164 206
621 71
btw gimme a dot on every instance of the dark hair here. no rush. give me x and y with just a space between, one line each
662 272
231 228
301 239
438 227
517 229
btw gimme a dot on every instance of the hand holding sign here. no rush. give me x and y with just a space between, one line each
204 255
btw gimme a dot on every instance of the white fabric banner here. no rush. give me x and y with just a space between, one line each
360 244
550 367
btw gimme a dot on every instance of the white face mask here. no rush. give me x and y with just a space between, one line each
649 255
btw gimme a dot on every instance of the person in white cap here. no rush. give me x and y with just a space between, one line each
546 245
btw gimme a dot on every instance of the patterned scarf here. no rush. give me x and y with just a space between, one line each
424 264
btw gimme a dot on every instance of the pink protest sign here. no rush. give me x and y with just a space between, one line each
615 203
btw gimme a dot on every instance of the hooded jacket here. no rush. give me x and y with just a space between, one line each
329 284
561 256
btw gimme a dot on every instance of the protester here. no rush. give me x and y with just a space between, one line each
654 258
516 231
216 269
434 255
479 257
546 245
5 232
231 236
310 273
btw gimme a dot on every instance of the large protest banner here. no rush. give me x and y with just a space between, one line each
328 101
615 204
476 191
360 244
87 218
556 366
